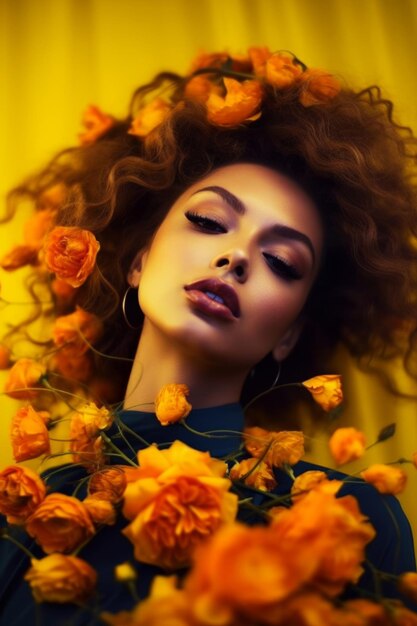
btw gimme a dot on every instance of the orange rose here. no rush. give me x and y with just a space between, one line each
385 478
148 118
110 481
259 57
76 332
24 375
21 491
60 524
281 70
100 509
326 390
171 404
305 482
332 531
76 367
60 578
254 474
36 227
284 448
4 357
86 444
240 104
19 256
29 434
175 499
70 253
261 573
347 444
318 87
96 123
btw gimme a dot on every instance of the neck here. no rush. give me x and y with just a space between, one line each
160 361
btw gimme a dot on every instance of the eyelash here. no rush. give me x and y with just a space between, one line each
279 266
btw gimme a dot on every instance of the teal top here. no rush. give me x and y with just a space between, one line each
391 551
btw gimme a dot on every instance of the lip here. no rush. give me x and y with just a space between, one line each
197 294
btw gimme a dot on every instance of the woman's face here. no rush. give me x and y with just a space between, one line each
229 270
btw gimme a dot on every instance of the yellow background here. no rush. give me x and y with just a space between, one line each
58 56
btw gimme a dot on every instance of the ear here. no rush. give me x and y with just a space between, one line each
288 341
135 271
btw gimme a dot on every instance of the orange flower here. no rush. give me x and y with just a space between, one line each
385 478
63 292
307 608
100 509
19 256
332 531
368 613
286 447
96 123
259 57
70 253
53 198
176 498
60 578
260 477
318 87
240 104
29 434
407 584
305 482
281 70
125 572
75 367
326 390
74 332
60 524
148 118
21 491
200 87
86 444
171 403
261 573
110 482
36 227
347 444
4 357
403 617
24 374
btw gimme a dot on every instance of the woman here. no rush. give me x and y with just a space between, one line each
242 202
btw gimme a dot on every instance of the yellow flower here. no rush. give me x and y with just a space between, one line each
101 510
125 572
60 578
148 118
307 481
240 104
326 390
171 403
385 478
70 253
346 444
29 434
86 443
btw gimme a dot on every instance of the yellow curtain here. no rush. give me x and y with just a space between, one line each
57 56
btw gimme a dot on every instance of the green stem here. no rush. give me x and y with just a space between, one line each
116 449
19 545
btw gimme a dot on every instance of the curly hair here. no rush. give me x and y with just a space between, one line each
348 154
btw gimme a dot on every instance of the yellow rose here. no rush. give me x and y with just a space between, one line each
326 390
21 492
70 253
346 444
60 578
101 510
385 478
171 403
86 443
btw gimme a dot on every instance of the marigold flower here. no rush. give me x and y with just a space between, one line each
175 499
281 70
385 478
240 104
110 482
261 477
29 434
333 532
74 332
305 482
4 357
347 444
148 118
18 257
326 390
285 447
36 227
96 123
171 403
318 87
70 253
60 578
60 523
21 492
100 509
24 374
86 444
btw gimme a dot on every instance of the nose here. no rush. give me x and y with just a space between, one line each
235 262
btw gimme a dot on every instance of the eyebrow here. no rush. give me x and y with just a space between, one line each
279 229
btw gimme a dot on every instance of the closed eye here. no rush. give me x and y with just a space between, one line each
281 267
205 224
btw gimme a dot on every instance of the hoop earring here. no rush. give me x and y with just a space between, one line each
129 304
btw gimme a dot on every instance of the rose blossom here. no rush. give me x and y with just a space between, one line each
347 444
70 253
259 475
241 103
283 447
21 492
385 478
171 403
29 434
326 390
24 374
60 578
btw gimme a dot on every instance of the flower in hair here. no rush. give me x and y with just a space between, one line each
171 403
75 332
317 87
70 253
241 103
326 390
96 123
148 118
